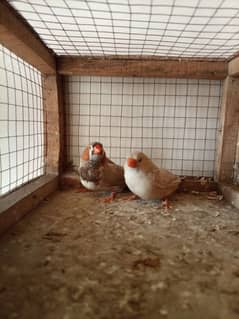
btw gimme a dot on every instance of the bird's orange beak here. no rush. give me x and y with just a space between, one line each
132 162
97 149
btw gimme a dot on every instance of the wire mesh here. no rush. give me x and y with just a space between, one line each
174 121
172 28
21 122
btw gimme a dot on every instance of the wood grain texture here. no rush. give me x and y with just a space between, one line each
53 100
17 204
17 35
142 67
227 137
233 67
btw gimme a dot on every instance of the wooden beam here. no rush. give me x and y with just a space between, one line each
233 67
16 205
227 138
17 35
53 106
142 67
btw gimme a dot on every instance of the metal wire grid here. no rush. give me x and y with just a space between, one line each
178 28
21 122
174 121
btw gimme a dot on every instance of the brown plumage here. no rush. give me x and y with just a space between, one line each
99 173
147 180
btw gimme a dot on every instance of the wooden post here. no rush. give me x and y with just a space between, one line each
233 67
227 139
19 37
53 109
236 165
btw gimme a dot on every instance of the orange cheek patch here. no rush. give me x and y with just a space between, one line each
132 162
85 155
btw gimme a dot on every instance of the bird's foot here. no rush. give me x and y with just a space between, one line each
82 190
109 199
166 204
130 197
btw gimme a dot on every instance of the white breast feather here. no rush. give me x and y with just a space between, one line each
137 182
89 185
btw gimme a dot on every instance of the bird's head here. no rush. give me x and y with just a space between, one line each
137 160
94 152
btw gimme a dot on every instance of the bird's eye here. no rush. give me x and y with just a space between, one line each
140 160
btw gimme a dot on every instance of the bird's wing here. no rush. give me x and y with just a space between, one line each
108 161
113 174
163 179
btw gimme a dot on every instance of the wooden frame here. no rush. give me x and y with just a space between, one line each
142 67
233 67
228 131
17 204
53 112
228 150
17 35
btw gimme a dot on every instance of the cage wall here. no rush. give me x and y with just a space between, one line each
21 122
184 28
174 121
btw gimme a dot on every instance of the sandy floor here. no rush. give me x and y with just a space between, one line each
75 257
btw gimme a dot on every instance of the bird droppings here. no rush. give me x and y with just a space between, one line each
75 257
